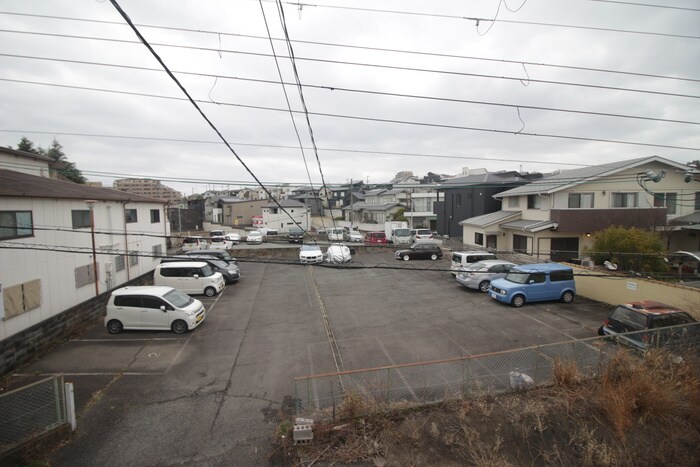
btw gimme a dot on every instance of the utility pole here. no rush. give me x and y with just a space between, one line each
91 205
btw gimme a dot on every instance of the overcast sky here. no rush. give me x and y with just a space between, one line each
124 134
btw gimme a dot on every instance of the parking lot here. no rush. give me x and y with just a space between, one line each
214 396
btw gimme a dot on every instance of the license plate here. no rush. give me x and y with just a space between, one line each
200 318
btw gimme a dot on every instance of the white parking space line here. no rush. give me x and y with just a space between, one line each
552 327
145 339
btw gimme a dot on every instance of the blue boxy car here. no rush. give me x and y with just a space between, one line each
535 283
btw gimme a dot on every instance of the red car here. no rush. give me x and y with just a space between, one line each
376 238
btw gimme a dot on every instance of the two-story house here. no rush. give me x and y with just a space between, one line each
273 217
379 205
62 243
472 195
556 217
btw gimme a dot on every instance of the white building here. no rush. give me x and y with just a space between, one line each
46 246
275 218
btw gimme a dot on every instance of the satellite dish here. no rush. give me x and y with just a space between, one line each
610 266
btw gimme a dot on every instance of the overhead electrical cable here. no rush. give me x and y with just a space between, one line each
196 106
350 90
329 44
479 19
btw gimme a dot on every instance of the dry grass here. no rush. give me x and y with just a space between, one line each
640 411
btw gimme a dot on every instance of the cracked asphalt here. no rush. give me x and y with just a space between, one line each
215 395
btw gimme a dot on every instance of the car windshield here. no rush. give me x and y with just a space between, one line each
178 299
218 263
629 317
310 248
217 239
190 240
517 277
207 271
402 233
423 232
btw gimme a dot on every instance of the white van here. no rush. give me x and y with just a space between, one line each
401 236
461 259
153 308
195 277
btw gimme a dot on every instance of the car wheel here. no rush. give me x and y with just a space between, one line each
433 256
518 301
115 326
210 291
406 258
567 297
484 286
600 331
179 327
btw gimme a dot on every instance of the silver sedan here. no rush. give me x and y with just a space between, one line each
479 275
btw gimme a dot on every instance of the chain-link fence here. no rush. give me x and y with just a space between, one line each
426 382
31 411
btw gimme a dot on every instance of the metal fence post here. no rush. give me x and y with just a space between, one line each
69 396
388 385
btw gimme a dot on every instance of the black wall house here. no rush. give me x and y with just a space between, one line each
472 195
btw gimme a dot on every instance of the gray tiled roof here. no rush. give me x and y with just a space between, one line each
491 218
17 184
566 178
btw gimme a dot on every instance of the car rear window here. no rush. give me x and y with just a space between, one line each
629 317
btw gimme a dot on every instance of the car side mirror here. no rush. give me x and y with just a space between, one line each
162 308
196 276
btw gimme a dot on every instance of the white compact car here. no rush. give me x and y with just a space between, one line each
233 237
191 277
218 243
310 254
254 238
153 308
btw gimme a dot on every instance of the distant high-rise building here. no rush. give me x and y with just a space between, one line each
148 187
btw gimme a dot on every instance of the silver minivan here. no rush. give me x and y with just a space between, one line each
195 277
153 308
461 259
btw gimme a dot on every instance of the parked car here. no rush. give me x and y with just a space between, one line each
401 236
335 235
233 237
376 238
221 254
310 254
218 243
153 308
421 235
230 271
192 277
479 275
338 253
420 251
535 283
295 235
194 243
684 263
216 233
647 316
462 259
254 237
353 236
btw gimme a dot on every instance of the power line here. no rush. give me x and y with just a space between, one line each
454 127
204 116
477 20
350 151
327 44
384 66
669 7
349 90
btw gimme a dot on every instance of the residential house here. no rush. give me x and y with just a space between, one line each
558 216
379 205
240 212
287 214
49 260
310 198
472 194
25 162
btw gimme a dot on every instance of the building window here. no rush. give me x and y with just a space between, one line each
513 202
478 238
624 200
581 200
16 224
81 218
131 216
133 260
155 216
119 263
666 199
533 201
21 298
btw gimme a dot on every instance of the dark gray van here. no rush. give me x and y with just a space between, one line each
221 254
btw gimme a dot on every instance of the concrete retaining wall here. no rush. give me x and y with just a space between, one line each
620 288
22 347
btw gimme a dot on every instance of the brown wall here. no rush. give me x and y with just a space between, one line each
246 209
592 220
